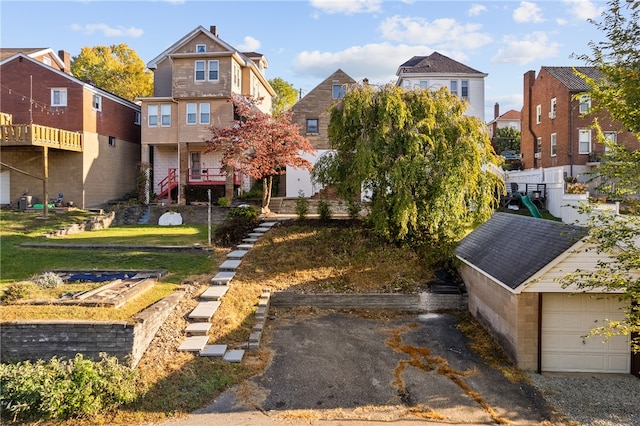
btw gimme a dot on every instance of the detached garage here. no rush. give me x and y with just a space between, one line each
510 266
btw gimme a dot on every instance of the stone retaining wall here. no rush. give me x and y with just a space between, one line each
422 302
44 339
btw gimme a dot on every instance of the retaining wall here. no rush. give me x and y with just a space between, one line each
44 339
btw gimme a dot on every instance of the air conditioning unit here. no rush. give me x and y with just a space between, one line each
537 155
552 115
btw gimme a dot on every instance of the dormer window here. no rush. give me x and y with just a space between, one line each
201 48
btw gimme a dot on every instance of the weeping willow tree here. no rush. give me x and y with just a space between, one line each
418 158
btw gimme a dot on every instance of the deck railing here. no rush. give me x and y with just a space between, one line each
35 134
210 176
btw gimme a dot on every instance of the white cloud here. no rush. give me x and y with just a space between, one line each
477 9
107 30
584 9
533 47
347 7
445 32
527 12
561 21
249 44
377 62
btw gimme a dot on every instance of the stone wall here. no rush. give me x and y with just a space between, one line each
44 339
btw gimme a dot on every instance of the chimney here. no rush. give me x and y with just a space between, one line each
365 81
214 30
496 110
66 59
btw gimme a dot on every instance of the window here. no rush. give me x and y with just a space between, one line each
199 71
424 84
538 114
312 125
191 114
453 87
205 113
136 117
59 97
553 144
46 60
153 115
464 89
97 102
213 70
554 107
165 115
585 104
338 91
538 153
112 141
201 48
584 141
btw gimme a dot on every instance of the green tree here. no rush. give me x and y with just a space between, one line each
506 139
418 156
617 237
116 68
286 95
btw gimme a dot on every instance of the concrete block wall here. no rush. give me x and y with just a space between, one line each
44 339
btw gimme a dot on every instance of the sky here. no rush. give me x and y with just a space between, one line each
305 41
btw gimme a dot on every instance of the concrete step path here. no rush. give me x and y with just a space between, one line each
223 278
193 344
229 265
204 311
236 254
198 328
215 292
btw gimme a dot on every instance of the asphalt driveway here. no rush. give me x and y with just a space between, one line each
335 368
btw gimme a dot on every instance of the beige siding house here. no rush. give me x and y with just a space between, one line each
193 81
511 265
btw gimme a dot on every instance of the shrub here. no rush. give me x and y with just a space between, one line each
576 188
61 389
223 201
324 211
240 220
302 206
49 280
13 292
353 208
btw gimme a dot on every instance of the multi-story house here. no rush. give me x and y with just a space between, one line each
556 127
193 81
311 114
63 135
509 119
436 71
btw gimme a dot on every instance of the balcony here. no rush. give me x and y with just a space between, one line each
36 135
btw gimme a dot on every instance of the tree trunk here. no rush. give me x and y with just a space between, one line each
267 183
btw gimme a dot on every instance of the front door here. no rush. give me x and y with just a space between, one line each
195 167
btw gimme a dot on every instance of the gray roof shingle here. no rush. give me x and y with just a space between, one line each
436 63
568 78
512 248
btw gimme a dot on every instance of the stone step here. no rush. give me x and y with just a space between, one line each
222 278
198 328
250 240
267 224
245 246
214 292
236 254
261 229
214 350
234 355
204 311
193 344
229 265
255 234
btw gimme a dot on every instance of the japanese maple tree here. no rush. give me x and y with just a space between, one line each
260 145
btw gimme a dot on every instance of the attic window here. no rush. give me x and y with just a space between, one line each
46 60
201 48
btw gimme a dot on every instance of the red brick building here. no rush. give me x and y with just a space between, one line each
86 139
556 131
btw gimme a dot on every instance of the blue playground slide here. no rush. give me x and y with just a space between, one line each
532 207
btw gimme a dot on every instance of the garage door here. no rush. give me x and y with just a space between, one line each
5 186
566 318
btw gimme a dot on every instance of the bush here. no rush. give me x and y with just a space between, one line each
199 193
49 280
13 292
302 206
223 201
324 211
60 389
239 222
353 208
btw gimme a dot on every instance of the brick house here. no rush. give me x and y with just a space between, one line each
436 71
312 114
84 140
555 130
193 81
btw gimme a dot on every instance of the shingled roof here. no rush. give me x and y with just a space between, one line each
435 63
512 248
568 78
